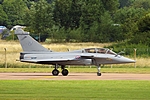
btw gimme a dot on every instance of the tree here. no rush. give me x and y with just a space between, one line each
111 5
96 20
128 17
3 17
144 23
105 31
1 1
125 3
39 18
145 4
15 10
67 13
91 14
108 30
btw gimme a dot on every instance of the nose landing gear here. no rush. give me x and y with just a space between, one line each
99 70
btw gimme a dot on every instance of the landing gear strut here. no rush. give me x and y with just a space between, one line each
99 68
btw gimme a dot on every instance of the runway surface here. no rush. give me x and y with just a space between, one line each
73 76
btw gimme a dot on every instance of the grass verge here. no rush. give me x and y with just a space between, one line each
74 90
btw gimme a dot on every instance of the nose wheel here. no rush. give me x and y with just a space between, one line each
98 74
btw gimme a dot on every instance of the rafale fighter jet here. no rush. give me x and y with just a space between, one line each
33 52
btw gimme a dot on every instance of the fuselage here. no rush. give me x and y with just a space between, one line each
78 57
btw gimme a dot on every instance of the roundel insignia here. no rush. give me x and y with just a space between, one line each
30 43
77 57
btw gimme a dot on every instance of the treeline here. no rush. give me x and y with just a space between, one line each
81 20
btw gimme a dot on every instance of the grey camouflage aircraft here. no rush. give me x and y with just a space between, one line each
34 52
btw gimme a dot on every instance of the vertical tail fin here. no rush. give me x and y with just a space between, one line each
28 43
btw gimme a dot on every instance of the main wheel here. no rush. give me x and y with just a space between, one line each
65 72
55 72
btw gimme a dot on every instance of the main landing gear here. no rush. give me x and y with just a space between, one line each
64 72
99 72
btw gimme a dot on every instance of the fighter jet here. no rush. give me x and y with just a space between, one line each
34 52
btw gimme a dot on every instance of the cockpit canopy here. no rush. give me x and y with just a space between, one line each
99 50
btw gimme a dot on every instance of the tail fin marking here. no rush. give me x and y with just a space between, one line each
28 43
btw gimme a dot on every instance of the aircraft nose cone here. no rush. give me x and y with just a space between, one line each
127 60
122 59
131 61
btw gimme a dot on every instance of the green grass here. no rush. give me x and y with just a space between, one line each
79 70
74 90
